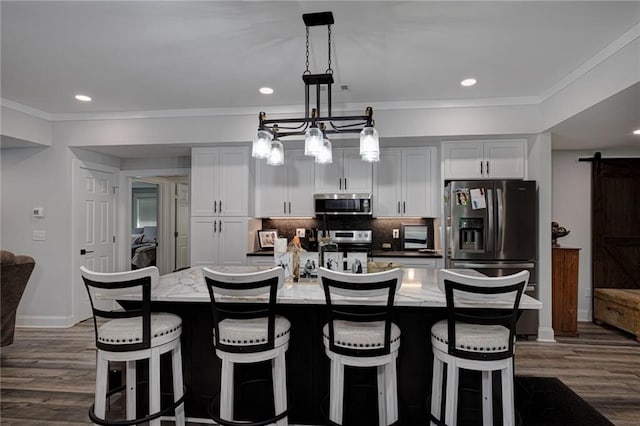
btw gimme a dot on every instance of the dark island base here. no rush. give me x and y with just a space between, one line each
307 368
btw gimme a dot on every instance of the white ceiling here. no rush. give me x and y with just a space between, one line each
161 55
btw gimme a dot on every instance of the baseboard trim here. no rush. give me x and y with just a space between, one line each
44 321
546 334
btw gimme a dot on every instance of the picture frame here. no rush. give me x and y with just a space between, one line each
357 262
333 260
267 238
309 262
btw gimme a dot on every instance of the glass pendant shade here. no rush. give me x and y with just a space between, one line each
261 147
325 156
372 157
276 156
313 140
369 144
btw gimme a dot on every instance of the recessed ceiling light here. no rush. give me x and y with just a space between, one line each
83 98
468 82
266 90
636 132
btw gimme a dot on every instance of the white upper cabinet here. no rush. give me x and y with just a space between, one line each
347 173
499 159
286 190
220 181
405 183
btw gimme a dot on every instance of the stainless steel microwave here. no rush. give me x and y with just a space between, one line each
343 204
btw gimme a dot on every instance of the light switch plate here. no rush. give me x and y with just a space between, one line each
39 235
300 232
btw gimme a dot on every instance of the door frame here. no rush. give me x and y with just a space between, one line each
76 245
164 215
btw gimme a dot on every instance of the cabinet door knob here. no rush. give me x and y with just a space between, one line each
284 207
487 167
481 167
215 226
404 207
215 207
340 184
289 207
220 206
398 207
219 226
345 184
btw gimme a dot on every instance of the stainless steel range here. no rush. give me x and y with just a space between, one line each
350 248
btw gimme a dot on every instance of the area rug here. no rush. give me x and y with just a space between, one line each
547 401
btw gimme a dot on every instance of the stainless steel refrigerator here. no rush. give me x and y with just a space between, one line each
492 228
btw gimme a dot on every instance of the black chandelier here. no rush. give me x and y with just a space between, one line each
314 126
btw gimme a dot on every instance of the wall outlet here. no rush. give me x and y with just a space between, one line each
39 235
300 232
396 233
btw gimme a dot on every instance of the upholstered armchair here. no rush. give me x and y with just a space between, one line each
15 274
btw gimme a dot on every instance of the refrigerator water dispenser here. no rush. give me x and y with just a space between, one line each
471 234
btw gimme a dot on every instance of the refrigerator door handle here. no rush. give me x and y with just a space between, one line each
523 265
500 215
491 223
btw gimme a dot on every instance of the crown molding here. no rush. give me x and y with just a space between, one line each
25 109
591 63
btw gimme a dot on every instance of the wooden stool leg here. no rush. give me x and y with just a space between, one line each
451 401
382 400
102 369
226 390
131 390
336 391
487 398
176 361
154 385
279 377
391 390
508 408
436 388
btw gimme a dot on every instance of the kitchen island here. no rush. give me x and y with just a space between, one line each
419 304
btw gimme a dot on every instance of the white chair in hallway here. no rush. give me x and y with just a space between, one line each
130 336
476 339
245 333
362 337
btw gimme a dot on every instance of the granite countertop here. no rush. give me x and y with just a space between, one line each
419 288
412 253
375 253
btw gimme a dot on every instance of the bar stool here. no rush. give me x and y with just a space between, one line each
245 333
132 335
476 339
360 337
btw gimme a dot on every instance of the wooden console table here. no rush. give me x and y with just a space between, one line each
565 291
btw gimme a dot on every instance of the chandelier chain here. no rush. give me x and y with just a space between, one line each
329 70
307 59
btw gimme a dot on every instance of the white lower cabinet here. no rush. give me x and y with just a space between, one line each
261 260
411 262
219 241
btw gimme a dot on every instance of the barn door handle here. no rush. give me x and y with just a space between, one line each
83 252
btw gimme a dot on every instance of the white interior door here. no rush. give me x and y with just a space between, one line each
182 226
96 229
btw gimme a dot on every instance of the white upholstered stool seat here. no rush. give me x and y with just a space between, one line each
356 335
130 336
165 327
248 332
479 339
471 337
244 332
359 337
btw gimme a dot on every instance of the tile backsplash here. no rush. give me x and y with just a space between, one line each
382 228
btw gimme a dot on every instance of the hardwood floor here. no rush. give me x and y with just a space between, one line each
47 375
